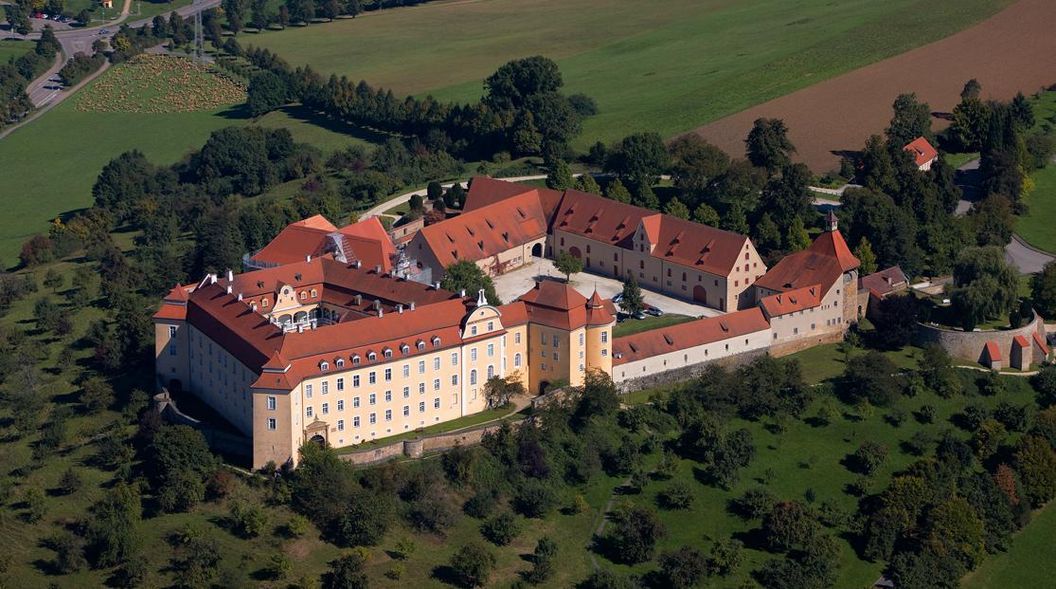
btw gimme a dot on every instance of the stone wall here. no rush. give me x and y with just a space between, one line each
967 346
803 343
219 440
686 372
419 447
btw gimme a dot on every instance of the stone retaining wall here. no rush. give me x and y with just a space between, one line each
968 346
419 447
221 441
686 372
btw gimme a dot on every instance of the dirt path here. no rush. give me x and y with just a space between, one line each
1010 52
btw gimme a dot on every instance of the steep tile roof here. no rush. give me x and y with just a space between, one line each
369 243
791 301
993 352
1039 341
922 151
297 241
822 263
246 335
708 330
556 304
486 231
886 281
1020 341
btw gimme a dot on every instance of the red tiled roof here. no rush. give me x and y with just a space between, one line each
791 301
246 335
1020 341
552 293
556 304
174 305
992 351
687 335
886 281
514 313
676 240
369 243
1040 342
487 231
297 241
922 151
822 263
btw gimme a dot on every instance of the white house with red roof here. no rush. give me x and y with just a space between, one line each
924 154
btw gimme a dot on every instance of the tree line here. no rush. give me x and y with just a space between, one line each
16 75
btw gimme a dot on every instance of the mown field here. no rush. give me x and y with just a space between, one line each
1036 226
13 49
53 161
667 66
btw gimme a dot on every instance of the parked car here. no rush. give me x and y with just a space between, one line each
651 310
616 299
639 315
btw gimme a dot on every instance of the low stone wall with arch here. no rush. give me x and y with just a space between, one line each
970 346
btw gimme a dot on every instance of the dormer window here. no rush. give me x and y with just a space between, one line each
355 360
263 302
371 356
340 362
436 342
421 346
387 352
324 366
405 349
315 293
304 295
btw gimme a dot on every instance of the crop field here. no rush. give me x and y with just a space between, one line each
667 67
59 156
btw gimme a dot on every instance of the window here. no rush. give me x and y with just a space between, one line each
472 377
340 384
371 356
420 345
517 338
421 367
473 330
604 337
436 403
355 360
326 408
556 342
581 339
491 371
340 425
387 352
421 407
372 418
340 405
372 378
308 411
272 403
436 363
326 387
491 350
308 391
472 354
405 349
406 410
388 415
172 331
604 352
355 421
406 370
436 384
436 342
355 380
388 396
372 399
491 325
340 362
271 423
454 359
263 302
517 360
406 392
388 375
421 388
454 380
355 402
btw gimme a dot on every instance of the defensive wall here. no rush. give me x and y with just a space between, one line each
970 346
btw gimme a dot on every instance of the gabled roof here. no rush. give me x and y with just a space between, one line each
1020 341
886 281
556 304
484 191
709 330
822 263
369 243
922 151
791 301
993 352
486 231
174 305
297 241
1039 341
677 241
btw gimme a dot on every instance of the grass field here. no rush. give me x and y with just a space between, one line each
59 156
13 49
670 68
632 326
1036 225
1028 563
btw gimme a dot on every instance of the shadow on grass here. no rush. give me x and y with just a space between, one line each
304 114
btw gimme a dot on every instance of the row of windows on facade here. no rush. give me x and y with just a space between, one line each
371 418
324 386
406 349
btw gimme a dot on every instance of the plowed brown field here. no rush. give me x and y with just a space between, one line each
1013 51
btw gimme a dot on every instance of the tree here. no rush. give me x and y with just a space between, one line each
696 164
1043 290
865 255
498 390
179 461
1044 382
1022 112
683 568
633 536
364 520
71 482
248 519
639 158
797 238
96 394
870 377
789 525
676 208
587 183
542 561
266 93
869 457
466 275
985 285
69 552
970 119
560 176
972 89
112 532
346 572
705 214
632 301
768 146
515 82
471 565
502 529
235 12
953 530
617 191
568 265
911 119
1036 464
329 9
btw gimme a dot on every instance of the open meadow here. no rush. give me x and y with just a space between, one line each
668 67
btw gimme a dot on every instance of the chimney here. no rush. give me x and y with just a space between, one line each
230 275
481 299
229 289
377 269
377 304
300 329
356 264
380 312
462 293
240 297
436 285
308 258
212 279
359 299
412 305
399 309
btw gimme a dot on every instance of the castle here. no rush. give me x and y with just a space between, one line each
329 350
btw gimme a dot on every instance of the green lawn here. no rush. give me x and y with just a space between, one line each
11 49
1030 562
668 68
957 160
1036 226
631 326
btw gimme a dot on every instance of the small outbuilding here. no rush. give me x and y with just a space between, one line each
924 154
1021 356
992 356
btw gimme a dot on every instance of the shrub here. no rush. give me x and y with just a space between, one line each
677 496
471 565
248 520
926 414
502 529
535 498
432 513
297 526
754 504
868 458
279 566
70 482
481 504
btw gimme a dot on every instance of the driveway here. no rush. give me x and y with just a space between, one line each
1024 257
511 285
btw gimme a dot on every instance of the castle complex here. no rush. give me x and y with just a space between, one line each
327 349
